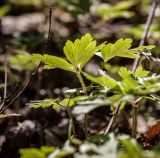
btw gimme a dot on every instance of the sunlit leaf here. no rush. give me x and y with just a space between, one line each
140 72
103 79
87 106
119 48
124 72
43 103
81 50
52 62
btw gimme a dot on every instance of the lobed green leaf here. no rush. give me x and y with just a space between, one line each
81 51
140 72
102 79
52 62
43 103
124 72
119 48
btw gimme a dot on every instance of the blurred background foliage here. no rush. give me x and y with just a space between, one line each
24 30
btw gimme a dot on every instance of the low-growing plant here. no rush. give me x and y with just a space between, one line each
125 90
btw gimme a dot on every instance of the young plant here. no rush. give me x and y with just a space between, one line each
78 53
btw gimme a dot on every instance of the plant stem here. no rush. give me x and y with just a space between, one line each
3 107
134 123
5 79
112 120
135 105
79 76
70 126
85 92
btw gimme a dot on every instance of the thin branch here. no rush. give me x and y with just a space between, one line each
13 91
5 79
146 30
36 69
5 75
49 31
112 120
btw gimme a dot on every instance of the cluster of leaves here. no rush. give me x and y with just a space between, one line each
22 61
78 53
116 147
124 86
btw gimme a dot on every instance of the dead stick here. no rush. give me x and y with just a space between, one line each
5 79
146 30
35 71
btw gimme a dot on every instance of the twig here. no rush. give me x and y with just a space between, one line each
146 30
5 80
49 31
5 75
21 91
112 120
13 91
36 69
9 115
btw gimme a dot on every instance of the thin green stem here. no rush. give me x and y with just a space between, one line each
71 122
70 130
85 92
135 105
79 76
113 119
134 124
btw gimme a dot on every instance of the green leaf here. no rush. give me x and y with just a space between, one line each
36 153
22 61
81 51
141 48
124 5
52 62
3 10
103 79
119 48
70 102
132 149
84 107
124 72
32 152
67 102
43 103
140 72
128 85
66 151
47 149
